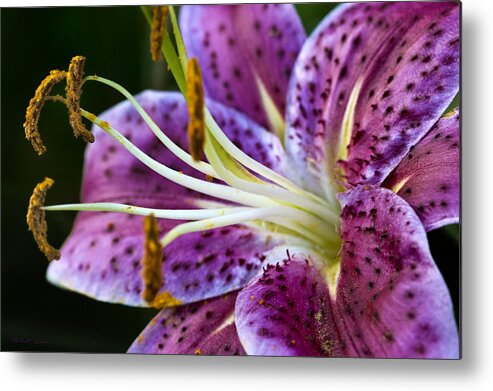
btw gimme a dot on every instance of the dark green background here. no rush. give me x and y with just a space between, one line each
36 315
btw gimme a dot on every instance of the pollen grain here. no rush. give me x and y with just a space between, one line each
37 222
195 101
34 109
158 28
73 91
151 263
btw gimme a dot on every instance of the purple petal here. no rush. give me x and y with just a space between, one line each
101 257
251 138
205 328
286 311
237 43
428 177
390 300
391 296
404 54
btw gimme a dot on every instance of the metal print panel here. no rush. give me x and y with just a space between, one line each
287 184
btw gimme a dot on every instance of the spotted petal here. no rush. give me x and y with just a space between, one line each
286 311
240 46
390 293
389 301
204 328
368 84
101 257
428 177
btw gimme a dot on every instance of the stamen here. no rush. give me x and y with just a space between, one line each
195 102
73 91
165 299
323 238
225 165
254 165
215 190
265 213
151 267
37 222
202 186
151 263
169 52
184 156
264 188
230 148
34 109
171 214
233 151
158 28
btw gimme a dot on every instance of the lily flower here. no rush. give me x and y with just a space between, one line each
303 233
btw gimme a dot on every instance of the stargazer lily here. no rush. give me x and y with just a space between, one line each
303 232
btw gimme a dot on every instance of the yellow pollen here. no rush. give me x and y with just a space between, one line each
151 268
104 125
328 346
198 352
158 28
195 101
73 91
37 222
151 263
165 299
34 109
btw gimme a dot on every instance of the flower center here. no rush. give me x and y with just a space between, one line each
249 194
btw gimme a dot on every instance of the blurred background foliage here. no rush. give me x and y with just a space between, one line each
37 316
